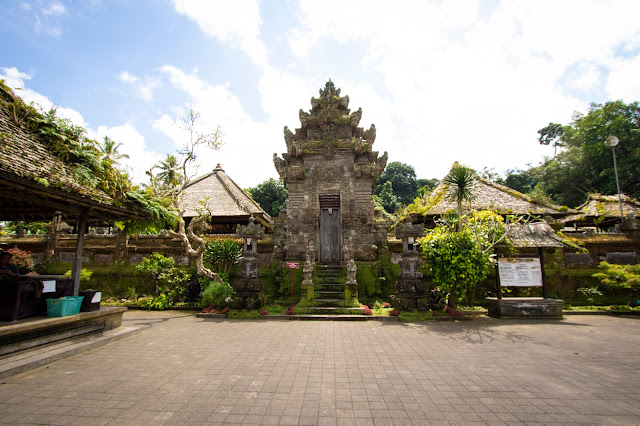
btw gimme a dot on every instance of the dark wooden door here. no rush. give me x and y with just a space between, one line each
329 235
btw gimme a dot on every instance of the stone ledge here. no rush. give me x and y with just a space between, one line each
525 308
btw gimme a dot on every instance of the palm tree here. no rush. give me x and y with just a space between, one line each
461 179
109 150
169 171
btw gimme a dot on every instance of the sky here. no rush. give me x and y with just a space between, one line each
443 81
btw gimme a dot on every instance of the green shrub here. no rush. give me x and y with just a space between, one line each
215 293
620 277
85 275
222 255
416 316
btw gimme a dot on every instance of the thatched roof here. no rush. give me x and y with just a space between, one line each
224 199
538 234
488 195
34 182
603 210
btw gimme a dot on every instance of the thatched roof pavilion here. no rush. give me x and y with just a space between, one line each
228 203
41 175
603 211
488 195
535 235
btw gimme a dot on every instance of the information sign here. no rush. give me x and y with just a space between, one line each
292 265
520 272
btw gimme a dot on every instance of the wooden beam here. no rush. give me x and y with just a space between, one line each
77 261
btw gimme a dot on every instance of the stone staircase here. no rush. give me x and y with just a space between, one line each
331 292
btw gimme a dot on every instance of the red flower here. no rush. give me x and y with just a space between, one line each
394 313
264 312
367 310
290 311
386 305
224 311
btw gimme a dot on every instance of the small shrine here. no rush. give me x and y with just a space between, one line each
248 287
329 170
411 289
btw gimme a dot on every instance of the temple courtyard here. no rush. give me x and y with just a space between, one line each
181 369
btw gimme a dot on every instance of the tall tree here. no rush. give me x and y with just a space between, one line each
461 180
169 174
552 135
194 245
271 195
387 198
425 186
403 180
109 150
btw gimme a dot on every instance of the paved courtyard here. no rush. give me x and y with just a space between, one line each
184 370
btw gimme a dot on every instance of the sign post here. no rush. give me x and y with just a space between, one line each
292 266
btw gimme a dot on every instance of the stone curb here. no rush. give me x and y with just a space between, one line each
31 359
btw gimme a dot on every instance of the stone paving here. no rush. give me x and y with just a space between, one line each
187 370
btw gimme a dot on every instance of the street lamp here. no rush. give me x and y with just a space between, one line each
612 141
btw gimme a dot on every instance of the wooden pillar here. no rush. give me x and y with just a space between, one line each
545 291
77 261
498 287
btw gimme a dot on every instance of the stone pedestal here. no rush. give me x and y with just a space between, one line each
412 290
248 289
525 308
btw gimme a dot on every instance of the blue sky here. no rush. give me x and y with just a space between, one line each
443 81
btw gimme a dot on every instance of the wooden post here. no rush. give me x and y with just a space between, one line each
77 261
545 292
498 287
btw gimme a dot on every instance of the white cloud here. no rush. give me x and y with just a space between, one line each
235 22
54 8
141 158
16 80
463 85
144 87
623 82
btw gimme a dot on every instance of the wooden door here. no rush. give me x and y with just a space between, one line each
330 228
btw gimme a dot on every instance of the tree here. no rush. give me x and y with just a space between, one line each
425 186
552 135
170 171
586 165
109 150
461 180
271 195
458 252
620 277
520 180
387 199
403 180
193 244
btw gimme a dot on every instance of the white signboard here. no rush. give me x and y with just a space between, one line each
49 286
520 272
96 297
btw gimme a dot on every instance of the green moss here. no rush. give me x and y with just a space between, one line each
416 316
244 314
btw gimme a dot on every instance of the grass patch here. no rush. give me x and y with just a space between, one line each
416 316
276 309
244 314
607 308
381 312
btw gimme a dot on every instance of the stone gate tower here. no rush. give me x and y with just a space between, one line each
329 170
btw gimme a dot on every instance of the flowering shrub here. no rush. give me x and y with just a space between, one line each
22 259
264 312
386 305
290 311
394 313
367 310
224 311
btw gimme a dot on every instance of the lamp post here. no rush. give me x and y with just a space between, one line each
612 141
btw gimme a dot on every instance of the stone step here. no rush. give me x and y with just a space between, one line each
330 317
329 302
329 293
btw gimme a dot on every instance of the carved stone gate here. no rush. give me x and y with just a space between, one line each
329 170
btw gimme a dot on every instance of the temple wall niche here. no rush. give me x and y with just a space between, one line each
330 160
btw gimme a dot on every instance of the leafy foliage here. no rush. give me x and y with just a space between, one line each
403 181
215 293
22 259
461 179
222 255
271 195
170 281
620 277
85 275
387 198
457 257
